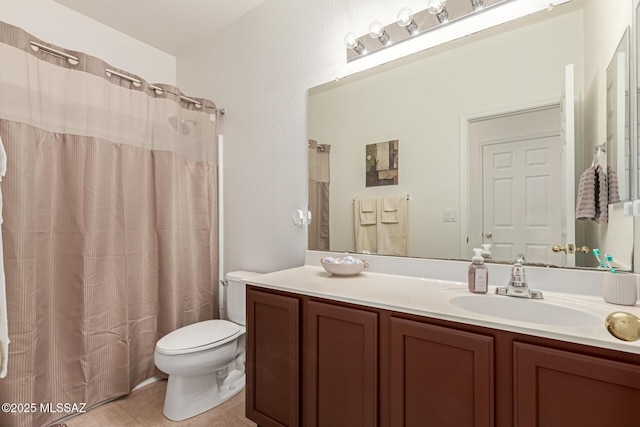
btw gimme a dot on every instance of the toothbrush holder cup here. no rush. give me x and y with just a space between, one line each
620 289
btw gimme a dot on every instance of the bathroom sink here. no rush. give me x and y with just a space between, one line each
526 310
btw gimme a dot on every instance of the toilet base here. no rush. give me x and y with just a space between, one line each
188 396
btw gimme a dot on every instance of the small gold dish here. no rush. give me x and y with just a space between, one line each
624 326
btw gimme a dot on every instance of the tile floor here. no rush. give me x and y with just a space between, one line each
143 408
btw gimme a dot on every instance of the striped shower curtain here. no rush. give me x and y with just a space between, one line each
319 180
110 224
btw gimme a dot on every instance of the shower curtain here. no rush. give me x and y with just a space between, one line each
319 195
110 225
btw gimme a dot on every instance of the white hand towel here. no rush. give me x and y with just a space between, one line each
389 214
367 211
4 330
365 232
392 236
389 203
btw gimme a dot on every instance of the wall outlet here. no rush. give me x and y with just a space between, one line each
450 215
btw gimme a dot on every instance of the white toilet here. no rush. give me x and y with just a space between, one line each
205 360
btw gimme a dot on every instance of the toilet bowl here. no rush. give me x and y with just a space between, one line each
205 360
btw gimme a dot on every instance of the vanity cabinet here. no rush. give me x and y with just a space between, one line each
338 350
273 359
340 366
441 375
320 363
560 388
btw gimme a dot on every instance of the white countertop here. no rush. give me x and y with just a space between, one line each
431 298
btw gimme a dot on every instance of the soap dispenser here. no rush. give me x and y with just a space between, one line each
478 273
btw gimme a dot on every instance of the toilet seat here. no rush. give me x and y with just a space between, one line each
198 337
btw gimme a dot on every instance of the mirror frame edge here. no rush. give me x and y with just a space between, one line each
633 102
633 124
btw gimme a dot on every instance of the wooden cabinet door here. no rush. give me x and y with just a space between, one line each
273 359
558 388
440 377
341 366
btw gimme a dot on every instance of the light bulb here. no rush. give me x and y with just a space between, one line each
351 42
405 16
376 31
435 6
405 19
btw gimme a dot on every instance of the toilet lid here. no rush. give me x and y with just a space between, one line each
196 335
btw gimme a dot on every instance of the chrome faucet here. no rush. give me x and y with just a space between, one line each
517 286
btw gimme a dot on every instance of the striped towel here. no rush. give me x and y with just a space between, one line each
613 187
586 200
593 196
602 201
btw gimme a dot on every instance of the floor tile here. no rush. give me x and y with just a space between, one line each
143 408
110 415
236 407
145 405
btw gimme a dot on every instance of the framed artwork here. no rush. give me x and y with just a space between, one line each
382 163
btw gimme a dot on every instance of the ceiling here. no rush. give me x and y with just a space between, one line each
168 25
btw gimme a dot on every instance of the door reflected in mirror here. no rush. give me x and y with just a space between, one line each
482 122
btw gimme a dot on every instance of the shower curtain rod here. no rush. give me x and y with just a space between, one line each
109 72
72 59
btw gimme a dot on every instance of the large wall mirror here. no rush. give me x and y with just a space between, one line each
489 137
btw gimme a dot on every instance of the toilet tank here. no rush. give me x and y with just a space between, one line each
236 295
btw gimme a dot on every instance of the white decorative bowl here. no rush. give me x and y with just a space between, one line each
344 266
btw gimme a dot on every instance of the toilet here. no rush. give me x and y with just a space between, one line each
205 360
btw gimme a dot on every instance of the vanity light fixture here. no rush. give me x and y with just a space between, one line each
438 8
351 42
409 24
405 19
477 4
377 31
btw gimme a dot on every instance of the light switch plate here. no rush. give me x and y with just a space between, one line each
450 215
628 208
